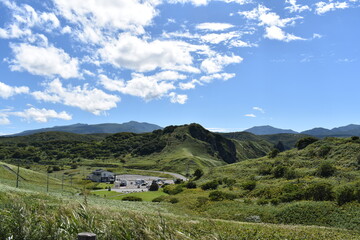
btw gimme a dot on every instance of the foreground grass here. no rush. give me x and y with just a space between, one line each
145 196
25 214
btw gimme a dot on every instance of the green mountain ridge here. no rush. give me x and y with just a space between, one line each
175 148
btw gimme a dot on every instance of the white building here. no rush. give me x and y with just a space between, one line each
100 175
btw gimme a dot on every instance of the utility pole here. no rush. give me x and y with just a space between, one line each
47 183
17 175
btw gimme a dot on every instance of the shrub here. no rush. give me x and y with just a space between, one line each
229 182
249 185
291 192
304 142
173 189
265 170
56 168
326 169
220 195
211 185
173 200
319 192
274 201
132 198
279 171
290 173
190 184
273 153
178 181
345 194
354 138
198 173
201 201
159 199
323 151
262 201
154 186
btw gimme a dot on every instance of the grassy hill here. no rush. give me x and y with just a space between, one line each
30 213
287 139
176 148
317 185
253 199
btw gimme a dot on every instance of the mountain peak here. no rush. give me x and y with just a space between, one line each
267 130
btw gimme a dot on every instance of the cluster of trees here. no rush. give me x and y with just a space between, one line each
113 146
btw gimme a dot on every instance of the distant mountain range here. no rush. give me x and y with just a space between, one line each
267 130
132 126
345 131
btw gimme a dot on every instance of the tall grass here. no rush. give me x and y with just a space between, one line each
26 215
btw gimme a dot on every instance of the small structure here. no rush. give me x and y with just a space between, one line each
100 175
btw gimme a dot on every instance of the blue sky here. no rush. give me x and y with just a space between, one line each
226 64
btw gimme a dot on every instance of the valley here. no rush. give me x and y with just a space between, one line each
238 180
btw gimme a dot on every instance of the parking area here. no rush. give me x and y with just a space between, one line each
129 183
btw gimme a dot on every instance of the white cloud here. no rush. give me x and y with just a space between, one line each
189 85
91 100
194 2
4 120
24 18
140 55
41 115
205 79
216 63
44 61
109 15
216 38
259 109
240 43
205 2
276 33
250 115
33 114
296 7
213 26
316 35
323 7
7 91
146 87
222 76
273 23
178 98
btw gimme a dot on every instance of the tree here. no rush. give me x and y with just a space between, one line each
154 186
304 142
198 173
191 184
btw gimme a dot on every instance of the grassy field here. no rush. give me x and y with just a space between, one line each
62 217
250 201
145 196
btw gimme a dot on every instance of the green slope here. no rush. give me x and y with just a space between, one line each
176 148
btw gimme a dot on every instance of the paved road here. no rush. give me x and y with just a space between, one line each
175 175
